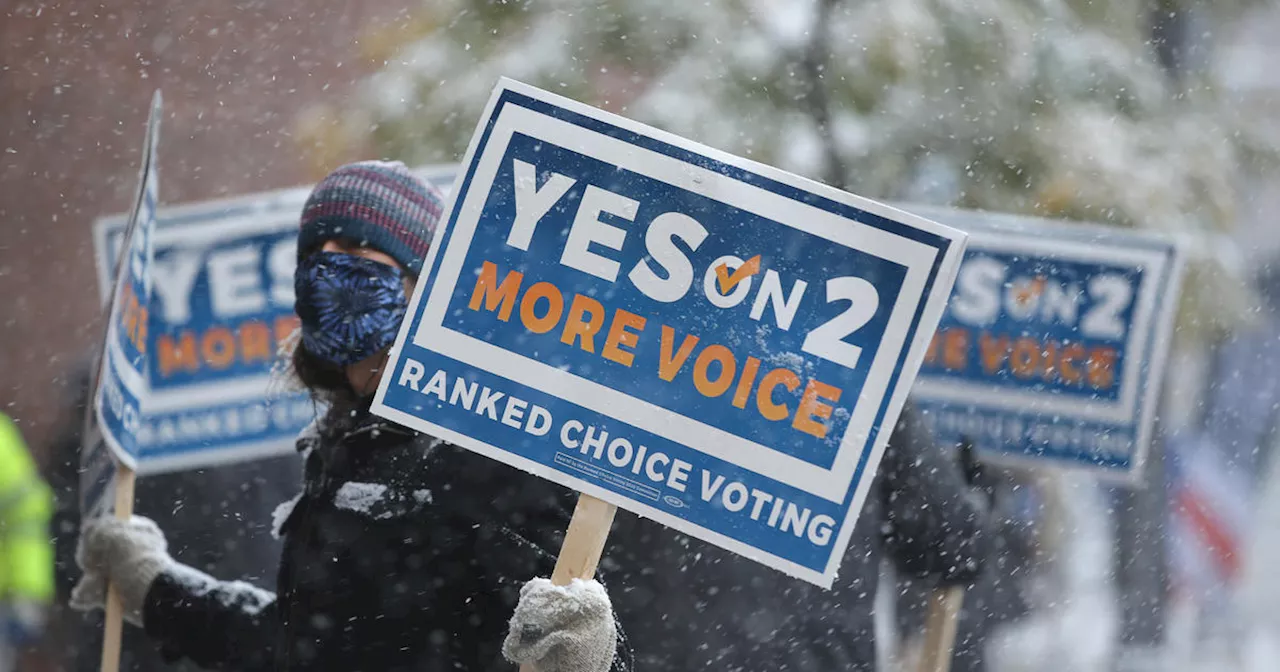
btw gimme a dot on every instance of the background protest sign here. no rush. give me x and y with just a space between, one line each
119 386
1052 348
705 341
222 302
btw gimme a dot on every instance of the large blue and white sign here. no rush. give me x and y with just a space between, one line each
1052 348
222 302
706 341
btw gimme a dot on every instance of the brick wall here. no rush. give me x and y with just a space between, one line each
75 80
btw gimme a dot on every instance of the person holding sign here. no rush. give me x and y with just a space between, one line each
402 552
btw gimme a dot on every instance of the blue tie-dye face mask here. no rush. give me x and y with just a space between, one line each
350 307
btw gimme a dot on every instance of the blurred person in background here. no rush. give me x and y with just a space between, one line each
26 556
998 595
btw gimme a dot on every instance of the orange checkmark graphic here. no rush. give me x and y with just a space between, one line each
728 281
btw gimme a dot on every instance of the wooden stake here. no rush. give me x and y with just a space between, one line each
940 629
113 627
583 544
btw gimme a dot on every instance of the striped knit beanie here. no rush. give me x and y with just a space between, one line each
378 204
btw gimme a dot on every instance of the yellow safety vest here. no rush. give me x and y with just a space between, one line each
26 504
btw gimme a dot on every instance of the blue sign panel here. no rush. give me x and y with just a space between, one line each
120 388
222 303
1053 345
705 341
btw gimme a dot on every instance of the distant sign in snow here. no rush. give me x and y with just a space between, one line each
1052 348
706 341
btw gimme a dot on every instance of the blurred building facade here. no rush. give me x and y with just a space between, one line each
240 81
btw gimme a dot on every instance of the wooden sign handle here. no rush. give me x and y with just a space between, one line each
583 544
584 540
940 629
113 626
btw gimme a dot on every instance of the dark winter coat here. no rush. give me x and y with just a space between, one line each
417 582
997 596
403 553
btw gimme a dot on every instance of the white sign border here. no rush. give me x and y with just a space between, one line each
1168 283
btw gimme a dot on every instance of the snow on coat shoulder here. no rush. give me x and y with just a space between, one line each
379 501
359 497
374 500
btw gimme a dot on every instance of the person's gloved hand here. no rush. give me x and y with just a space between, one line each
24 622
562 628
128 553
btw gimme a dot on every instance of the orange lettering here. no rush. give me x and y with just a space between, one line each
1026 357
182 356
619 336
141 342
764 396
812 406
218 347
255 342
931 355
717 387
749 371
555 307
955 350
994 352
285 326
574 327
127 318
503 297
133 318
1102 367
669 365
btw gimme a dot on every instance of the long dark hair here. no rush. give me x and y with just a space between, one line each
324 380
327 384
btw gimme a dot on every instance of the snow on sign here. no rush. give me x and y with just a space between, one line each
1052 348
222 302
700 339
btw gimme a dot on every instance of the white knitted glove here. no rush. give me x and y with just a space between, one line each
128 553
562 628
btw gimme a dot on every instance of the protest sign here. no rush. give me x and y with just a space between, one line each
122 385
1052 348
221 305
118 390
706 341
118 387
